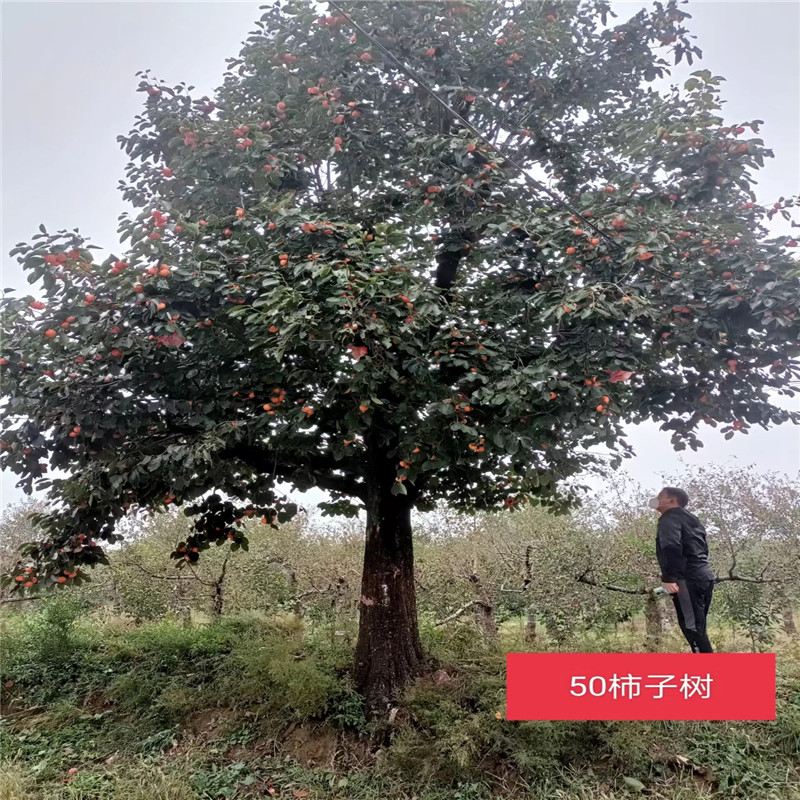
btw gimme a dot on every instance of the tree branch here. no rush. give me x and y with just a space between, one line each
147 572
458 613
610 587
319 468
747 580
20 599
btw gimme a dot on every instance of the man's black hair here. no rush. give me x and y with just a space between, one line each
678 494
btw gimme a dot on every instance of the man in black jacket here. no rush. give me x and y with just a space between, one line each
686 573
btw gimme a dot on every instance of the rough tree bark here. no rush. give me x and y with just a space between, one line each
483 609
388 652
530 626
654 623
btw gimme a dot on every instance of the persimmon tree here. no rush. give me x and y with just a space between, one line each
330 281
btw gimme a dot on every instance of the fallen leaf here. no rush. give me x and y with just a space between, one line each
633 783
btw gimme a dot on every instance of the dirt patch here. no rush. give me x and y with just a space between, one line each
315 746
504 776
706 785
703 777
97 702
354 753
260 748
16 710
212 723
13 704
442 678
311 747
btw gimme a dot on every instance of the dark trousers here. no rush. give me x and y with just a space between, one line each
691 605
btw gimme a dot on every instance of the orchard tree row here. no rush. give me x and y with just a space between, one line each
566 575
330 282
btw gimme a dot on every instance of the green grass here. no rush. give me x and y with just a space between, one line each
244 704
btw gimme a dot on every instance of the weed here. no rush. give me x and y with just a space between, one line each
160 741
116 700
218 782
743 766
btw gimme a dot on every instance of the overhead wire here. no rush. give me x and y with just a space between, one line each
469 126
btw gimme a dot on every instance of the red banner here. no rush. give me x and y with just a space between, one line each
631 686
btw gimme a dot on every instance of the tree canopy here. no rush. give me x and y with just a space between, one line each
330 282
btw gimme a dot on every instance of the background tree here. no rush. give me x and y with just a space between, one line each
752 520
15 531
330 282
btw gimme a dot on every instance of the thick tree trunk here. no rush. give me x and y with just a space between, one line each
388 652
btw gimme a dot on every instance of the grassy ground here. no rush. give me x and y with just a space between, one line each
250 707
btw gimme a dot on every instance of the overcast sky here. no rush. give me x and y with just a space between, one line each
69 88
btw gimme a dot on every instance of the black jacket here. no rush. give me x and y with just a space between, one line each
681 546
